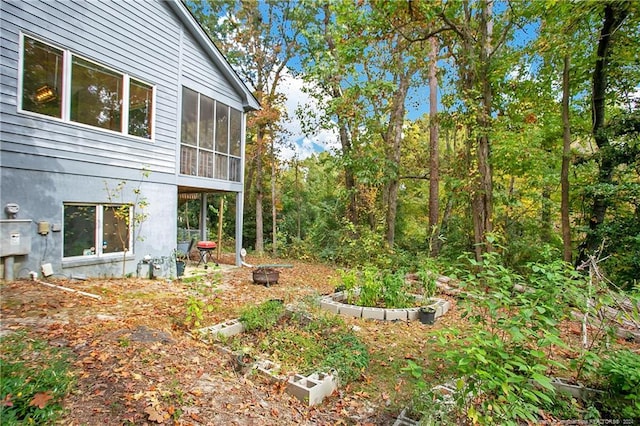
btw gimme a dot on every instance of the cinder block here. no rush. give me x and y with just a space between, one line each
403 420
338 296
312 389
227 328
442 307
330 305
446 305
396 314
269 369
373 313
413 313
350 310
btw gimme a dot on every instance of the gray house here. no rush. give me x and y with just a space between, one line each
109 112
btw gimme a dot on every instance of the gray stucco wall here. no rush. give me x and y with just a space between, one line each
41 196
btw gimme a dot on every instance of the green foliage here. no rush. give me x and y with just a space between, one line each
198 301
347 355
504 359
306 343
262 316
374 287
428 280
395 291
621 374
35 379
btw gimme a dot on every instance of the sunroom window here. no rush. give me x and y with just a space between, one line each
97 96
211 135
96 230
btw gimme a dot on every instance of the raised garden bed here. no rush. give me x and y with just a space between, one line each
335 303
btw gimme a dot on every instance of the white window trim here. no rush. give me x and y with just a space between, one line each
67 56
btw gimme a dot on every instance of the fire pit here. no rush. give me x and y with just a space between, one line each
266 276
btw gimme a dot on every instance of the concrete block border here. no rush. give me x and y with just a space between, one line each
334 303
311 389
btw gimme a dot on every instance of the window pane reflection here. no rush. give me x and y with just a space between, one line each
79 230
140 108
115 232
96 95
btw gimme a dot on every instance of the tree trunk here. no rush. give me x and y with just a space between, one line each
274 211
614 15
434 154
298 203
394 139
566 158
343 129
259 192
484 197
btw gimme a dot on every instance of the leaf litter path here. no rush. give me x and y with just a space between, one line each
135 365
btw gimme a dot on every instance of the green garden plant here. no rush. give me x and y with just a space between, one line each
199 300
503 361
621 376
375 287
35 379
262 316
304 343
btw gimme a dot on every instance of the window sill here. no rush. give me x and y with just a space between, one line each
94 260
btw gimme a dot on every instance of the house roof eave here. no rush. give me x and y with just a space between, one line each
250 102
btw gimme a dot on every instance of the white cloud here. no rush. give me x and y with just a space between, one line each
302 145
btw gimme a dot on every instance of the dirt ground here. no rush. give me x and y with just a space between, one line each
136 364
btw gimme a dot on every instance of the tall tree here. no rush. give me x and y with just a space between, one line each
259 40
474 51
614 15
434 151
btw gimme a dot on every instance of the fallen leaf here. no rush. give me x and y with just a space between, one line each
6 402
155 415
40 399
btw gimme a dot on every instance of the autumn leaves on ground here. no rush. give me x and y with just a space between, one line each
135 363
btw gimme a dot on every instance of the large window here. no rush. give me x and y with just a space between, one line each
211 138
96 230
97 96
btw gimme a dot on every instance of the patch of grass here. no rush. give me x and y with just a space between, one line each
304 344
35 379
262 316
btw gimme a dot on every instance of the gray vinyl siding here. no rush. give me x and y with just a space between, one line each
141 39
201 75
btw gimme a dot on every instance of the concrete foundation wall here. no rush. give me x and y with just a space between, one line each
41 196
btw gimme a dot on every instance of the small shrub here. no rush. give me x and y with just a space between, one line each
198 302
504 358
374 287
428 281
622 379
347 355
35 379
395 291
370 287
262 316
